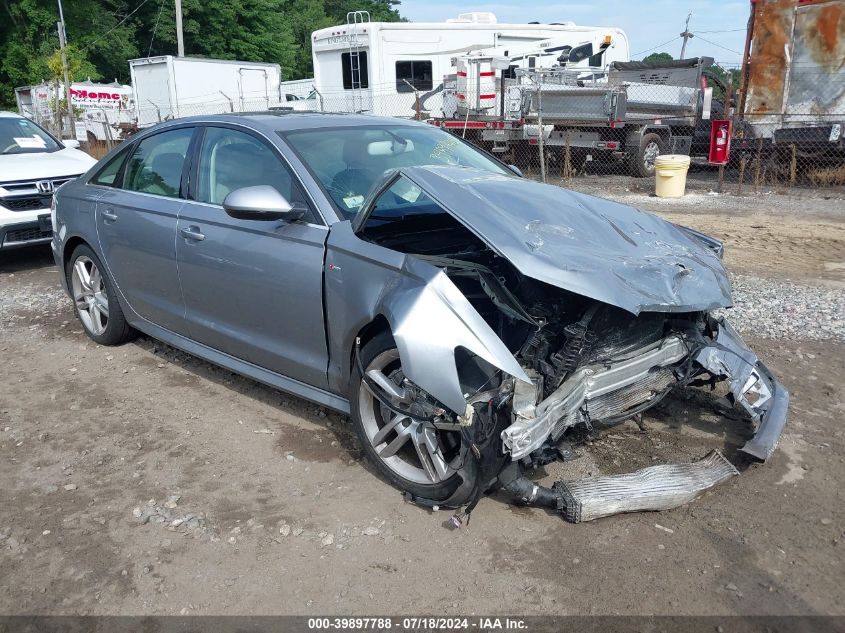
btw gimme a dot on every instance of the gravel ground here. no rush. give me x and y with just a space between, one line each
777 309
141 480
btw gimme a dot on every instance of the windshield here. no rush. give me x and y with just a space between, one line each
348 161
22 136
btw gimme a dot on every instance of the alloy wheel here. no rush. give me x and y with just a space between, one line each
415 449
89 294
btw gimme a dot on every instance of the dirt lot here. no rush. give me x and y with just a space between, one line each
280 515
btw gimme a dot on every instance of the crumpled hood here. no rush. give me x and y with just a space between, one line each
593 247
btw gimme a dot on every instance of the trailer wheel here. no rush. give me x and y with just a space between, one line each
642 163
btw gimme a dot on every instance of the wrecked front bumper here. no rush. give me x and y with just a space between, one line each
598 389
752 386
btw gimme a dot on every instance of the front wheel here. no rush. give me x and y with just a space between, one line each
94 299
413 454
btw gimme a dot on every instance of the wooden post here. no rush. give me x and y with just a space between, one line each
540 140
793 166
567 159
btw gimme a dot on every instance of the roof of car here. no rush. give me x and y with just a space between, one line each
9 115
288 120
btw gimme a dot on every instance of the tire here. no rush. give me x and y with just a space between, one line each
370 418
641 164
94 299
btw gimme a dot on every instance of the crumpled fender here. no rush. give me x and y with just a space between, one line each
428 316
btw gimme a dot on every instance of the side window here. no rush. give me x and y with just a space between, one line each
355 72
108 174
230 160
416 73
155 165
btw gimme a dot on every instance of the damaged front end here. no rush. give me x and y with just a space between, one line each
605 392
517 356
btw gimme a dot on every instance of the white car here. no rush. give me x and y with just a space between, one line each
33 165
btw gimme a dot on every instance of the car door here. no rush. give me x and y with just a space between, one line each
253 289
136 227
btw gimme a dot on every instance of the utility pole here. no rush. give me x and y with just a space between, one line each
180 40
686 35
62 44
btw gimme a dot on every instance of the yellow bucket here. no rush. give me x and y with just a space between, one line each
670 175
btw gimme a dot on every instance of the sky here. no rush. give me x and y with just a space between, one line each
719 25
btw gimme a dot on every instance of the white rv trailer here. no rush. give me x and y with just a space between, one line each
168 87
382 67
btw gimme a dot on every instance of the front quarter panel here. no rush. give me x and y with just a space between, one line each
428 316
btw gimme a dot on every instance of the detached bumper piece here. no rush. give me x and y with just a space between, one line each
655 488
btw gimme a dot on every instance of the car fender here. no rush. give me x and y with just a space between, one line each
428 315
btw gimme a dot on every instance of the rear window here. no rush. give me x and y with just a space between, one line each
355 72
415 74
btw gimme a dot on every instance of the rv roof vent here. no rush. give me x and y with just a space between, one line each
476 17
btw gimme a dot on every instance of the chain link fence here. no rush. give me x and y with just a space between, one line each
605 130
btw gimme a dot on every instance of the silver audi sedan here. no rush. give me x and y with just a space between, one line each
469 321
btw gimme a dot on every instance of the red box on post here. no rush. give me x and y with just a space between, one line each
720 142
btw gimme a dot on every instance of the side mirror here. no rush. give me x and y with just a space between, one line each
71 143
261 202
516 170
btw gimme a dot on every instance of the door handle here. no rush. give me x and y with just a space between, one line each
192 233
109 215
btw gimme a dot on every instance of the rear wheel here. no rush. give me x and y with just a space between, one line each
413 454
94 299
642 163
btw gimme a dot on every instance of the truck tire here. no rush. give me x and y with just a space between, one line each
641 164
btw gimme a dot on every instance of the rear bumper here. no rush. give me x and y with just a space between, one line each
58 258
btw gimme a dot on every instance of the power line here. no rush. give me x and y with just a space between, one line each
730 50
101 38
158 17
648 50
724 31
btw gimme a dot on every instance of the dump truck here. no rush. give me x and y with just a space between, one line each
632 111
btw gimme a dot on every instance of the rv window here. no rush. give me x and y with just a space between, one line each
597 60
417 73
355 73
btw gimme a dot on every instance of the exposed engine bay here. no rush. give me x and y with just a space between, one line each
591 365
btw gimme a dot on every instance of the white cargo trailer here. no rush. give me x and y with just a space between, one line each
385 67
168 87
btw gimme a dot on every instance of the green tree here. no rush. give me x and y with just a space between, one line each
658 57
104 34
